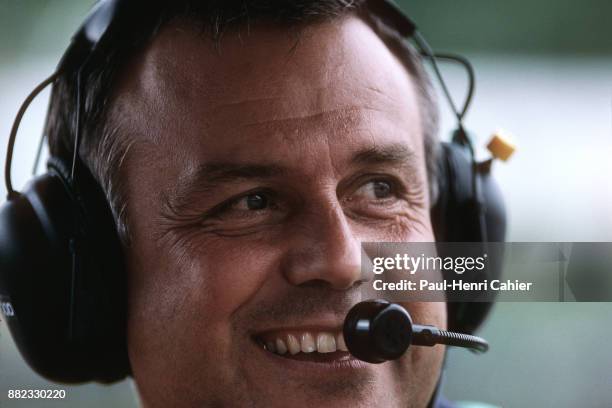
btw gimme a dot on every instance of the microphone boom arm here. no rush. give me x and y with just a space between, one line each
424 335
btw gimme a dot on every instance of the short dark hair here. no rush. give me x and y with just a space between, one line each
102 149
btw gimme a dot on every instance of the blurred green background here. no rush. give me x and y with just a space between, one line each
544 70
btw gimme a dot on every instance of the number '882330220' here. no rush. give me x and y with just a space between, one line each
36 394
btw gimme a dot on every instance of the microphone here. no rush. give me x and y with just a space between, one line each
376 331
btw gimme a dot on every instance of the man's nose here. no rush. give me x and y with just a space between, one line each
325 251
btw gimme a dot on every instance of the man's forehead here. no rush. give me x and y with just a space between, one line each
307 103
266 74
275 55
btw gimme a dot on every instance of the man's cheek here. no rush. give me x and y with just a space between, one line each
234 273
182 306
175 311
179 300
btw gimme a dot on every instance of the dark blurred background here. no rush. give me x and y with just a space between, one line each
544 70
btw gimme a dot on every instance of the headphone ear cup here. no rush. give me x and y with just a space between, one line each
495 207
62 272
35 273
456 218
454 215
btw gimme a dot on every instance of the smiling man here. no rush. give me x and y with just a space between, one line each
247 149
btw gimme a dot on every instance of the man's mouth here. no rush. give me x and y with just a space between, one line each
305 344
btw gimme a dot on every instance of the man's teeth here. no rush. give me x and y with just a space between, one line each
293 344
306 342
326 343
281 347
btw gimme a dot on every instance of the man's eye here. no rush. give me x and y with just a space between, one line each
252 202
382 189
376 190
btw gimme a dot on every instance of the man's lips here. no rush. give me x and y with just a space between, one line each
307 343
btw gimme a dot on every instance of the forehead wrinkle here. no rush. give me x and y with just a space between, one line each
300 121
310 103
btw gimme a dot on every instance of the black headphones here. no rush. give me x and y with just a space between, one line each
62 278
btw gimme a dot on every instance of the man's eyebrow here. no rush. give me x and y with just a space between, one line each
220 172
208 176
388 154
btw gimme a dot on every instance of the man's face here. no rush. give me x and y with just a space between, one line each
257 168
